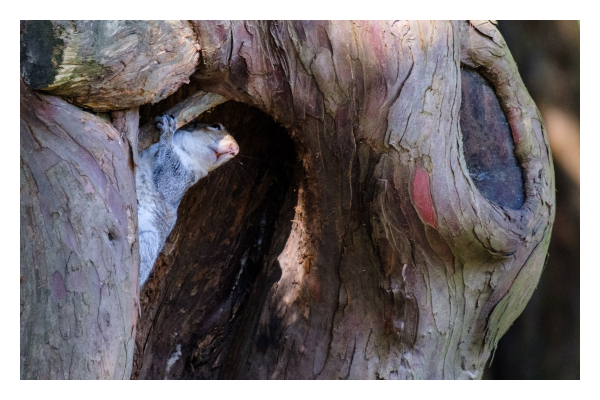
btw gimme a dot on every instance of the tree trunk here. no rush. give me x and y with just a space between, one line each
79 249
390 257
108 65
366 230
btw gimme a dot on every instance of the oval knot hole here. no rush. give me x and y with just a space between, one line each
488 143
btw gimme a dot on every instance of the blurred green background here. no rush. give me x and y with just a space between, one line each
543 342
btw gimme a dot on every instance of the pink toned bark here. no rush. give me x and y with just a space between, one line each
79 251
357 245
394 264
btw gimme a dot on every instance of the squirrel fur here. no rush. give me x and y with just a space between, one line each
166 171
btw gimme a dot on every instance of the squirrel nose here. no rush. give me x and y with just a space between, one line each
234 148
228 145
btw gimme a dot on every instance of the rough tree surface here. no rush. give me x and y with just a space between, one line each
385 259
78 243
544 342
108 65
359 234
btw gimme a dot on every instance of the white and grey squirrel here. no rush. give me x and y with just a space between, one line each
166 170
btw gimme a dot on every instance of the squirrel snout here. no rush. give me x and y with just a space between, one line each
228 145
234 148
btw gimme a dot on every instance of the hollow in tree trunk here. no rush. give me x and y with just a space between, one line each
387 217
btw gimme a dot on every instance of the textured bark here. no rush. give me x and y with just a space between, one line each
386 261
358 246
108 65
79 251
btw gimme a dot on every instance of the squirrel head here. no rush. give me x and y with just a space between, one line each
207 145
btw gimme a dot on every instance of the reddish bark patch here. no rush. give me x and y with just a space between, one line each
422 197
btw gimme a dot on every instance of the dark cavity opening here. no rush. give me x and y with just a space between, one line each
221 255
488 143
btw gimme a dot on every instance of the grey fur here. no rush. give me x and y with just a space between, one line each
166 171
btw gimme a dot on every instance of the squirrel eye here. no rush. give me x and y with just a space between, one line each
216 126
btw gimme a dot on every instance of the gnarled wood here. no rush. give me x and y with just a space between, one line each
488 144
377 257
108 65
394 265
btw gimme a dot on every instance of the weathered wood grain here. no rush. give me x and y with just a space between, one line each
394 265
488 144
381 260
108 65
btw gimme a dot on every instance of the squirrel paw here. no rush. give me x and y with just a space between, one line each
166 124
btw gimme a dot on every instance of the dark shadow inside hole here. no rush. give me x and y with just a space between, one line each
221 243
488 143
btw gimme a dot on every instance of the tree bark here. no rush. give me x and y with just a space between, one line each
543 343
373 241
108 65
79 249
386 261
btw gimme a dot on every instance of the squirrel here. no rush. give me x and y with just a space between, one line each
166 170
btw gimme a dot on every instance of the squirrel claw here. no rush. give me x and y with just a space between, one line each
166 123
